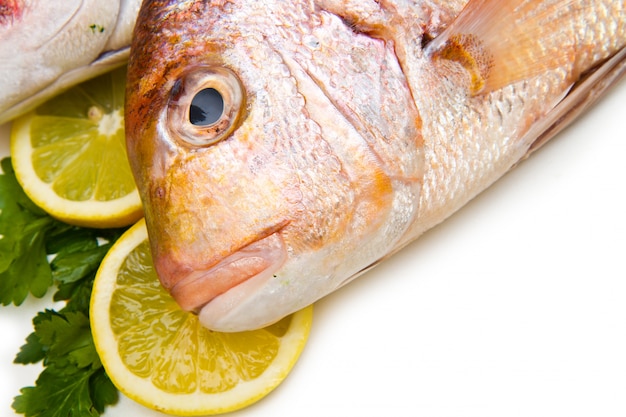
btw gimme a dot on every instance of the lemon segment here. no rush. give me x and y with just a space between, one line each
162 357
69 155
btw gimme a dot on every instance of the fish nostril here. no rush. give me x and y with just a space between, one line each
159 192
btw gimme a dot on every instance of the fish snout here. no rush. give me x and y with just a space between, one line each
195 286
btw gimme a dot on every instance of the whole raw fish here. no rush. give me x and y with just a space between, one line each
47 46
284 147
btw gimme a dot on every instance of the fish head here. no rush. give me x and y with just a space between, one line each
47 47
255 206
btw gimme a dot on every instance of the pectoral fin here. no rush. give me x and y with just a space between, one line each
581 96
499 42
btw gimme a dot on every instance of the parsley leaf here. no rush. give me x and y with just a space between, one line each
24 266
102 390
76 263
73 382
31 352
67 338
58 394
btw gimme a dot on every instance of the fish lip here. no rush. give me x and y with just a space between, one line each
259 259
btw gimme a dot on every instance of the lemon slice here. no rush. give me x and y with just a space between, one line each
162 357
69 155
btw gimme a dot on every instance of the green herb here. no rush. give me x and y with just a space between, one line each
73 382
37 251
96 28
24 266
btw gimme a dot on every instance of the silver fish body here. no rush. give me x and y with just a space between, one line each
48 46
347 130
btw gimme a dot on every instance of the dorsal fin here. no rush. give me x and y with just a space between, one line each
503 41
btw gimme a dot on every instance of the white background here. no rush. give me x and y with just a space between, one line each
515 306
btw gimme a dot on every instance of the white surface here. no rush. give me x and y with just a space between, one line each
516 306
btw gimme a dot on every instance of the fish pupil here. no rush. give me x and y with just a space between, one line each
206 107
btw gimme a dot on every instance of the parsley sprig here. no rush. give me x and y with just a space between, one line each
36 252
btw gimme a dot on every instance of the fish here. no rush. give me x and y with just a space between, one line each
282 149
49 46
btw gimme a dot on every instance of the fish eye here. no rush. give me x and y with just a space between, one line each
205 106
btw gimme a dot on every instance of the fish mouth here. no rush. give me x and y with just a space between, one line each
257 261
